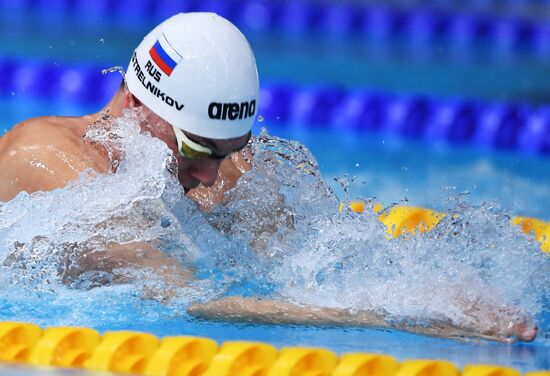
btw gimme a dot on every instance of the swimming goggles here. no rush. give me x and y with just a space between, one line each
190 149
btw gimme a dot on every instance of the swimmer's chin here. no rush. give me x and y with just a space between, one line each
188 186
188 189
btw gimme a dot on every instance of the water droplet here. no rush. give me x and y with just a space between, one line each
102 40
117 68
357 165
260 119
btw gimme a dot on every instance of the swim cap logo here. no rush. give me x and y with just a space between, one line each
231 111
150 85
164 55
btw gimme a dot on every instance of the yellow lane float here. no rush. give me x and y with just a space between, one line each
242 358
366 364
427 368
17 339
401 219
182 356
144 354
489 370
124 351
65 347
304 361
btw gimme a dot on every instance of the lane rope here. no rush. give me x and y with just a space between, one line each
414 26
495 125
402 220
145 354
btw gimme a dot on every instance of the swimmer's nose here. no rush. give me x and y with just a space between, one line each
206 172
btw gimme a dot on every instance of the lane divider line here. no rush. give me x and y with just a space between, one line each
144 354
402 220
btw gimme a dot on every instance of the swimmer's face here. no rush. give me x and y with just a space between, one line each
192 172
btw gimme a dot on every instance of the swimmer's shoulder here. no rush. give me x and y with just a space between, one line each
39 137
42 154
46 129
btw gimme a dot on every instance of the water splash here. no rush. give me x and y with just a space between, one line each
116 68
278 234
474 262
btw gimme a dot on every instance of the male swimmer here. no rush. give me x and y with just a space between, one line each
194 78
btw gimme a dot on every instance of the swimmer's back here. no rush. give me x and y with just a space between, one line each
45 153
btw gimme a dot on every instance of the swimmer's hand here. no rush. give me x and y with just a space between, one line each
270 311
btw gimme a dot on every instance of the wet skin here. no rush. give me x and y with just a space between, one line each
46 153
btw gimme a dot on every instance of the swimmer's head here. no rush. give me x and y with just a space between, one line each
195 76
197 72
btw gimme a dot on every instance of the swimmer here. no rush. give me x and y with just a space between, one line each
195 81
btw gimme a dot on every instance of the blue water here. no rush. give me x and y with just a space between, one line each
392 170
376 166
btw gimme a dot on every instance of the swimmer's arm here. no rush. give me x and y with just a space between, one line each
117 259
271 311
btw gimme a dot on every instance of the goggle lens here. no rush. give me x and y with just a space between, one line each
193 150
188 152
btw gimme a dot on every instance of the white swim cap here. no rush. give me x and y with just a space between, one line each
198 72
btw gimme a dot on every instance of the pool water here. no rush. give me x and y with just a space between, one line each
335 259
373 165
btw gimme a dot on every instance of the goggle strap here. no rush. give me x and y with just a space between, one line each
182 140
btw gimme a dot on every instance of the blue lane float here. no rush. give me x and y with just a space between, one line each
418 26
83 84
493 125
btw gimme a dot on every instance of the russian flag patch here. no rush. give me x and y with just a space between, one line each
164 55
